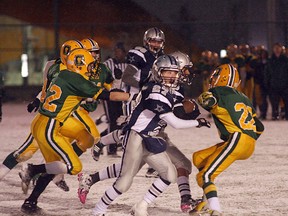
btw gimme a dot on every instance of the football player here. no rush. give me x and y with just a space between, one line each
181 162
142 144
30 146
238 126
63 96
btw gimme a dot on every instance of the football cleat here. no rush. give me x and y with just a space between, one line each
151 173
139 209
96 150
200 210
85 183
187 203
62 185
25 175
30 207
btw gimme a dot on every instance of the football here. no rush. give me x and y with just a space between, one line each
188 105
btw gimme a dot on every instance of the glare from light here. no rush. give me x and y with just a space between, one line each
24 67
223 53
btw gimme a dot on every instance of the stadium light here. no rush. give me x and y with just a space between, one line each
223 53
24 66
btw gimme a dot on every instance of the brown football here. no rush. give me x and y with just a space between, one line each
188 105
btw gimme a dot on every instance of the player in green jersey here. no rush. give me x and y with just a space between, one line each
238 126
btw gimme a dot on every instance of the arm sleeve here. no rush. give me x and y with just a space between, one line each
128 76
178 123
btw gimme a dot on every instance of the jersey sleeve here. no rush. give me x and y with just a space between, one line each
136 57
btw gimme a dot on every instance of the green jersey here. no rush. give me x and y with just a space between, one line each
65 94
103 79
233 112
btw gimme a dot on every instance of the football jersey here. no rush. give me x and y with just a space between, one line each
142 60
234 112
103 79
152 101
65 94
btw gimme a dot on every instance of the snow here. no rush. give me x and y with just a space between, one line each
257 186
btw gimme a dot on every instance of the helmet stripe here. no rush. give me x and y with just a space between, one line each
232 75
157 32
80 44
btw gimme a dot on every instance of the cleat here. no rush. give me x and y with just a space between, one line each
139 209
96 150
62 185
151 173
30 207
200 210
187 203
85 183
25 175
216 213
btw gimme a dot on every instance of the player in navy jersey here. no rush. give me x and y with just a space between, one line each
154 110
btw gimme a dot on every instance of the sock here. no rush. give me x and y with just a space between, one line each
214 204
109 196
56 167
156 189
36 169
111 171
40 186
10 161
183 185
76 148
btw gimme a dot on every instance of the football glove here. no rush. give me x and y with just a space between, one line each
207 100
121 120
203 122
33 105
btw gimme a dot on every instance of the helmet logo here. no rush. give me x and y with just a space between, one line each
79 60
66 50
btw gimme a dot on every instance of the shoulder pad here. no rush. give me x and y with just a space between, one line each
141 49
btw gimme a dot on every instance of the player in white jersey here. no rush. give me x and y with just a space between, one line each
181 162
153 111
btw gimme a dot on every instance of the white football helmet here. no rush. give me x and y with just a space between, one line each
166 63
185 66
154 34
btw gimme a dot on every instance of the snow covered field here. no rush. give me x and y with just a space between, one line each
257 186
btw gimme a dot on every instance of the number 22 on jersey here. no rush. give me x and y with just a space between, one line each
56 94
245 122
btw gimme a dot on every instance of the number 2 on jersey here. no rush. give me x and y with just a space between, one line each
48 104
245 122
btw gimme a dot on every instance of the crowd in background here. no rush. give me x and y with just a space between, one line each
264 78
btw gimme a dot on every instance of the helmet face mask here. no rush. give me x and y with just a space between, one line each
165 71
154 40
225 75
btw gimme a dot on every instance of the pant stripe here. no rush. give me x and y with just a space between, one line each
49 136
77 116
222 156
25 145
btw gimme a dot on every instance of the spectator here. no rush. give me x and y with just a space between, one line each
276 80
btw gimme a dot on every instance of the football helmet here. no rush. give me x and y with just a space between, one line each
225 75
93 47
185 65
154 34
81 61
166 63
67 47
